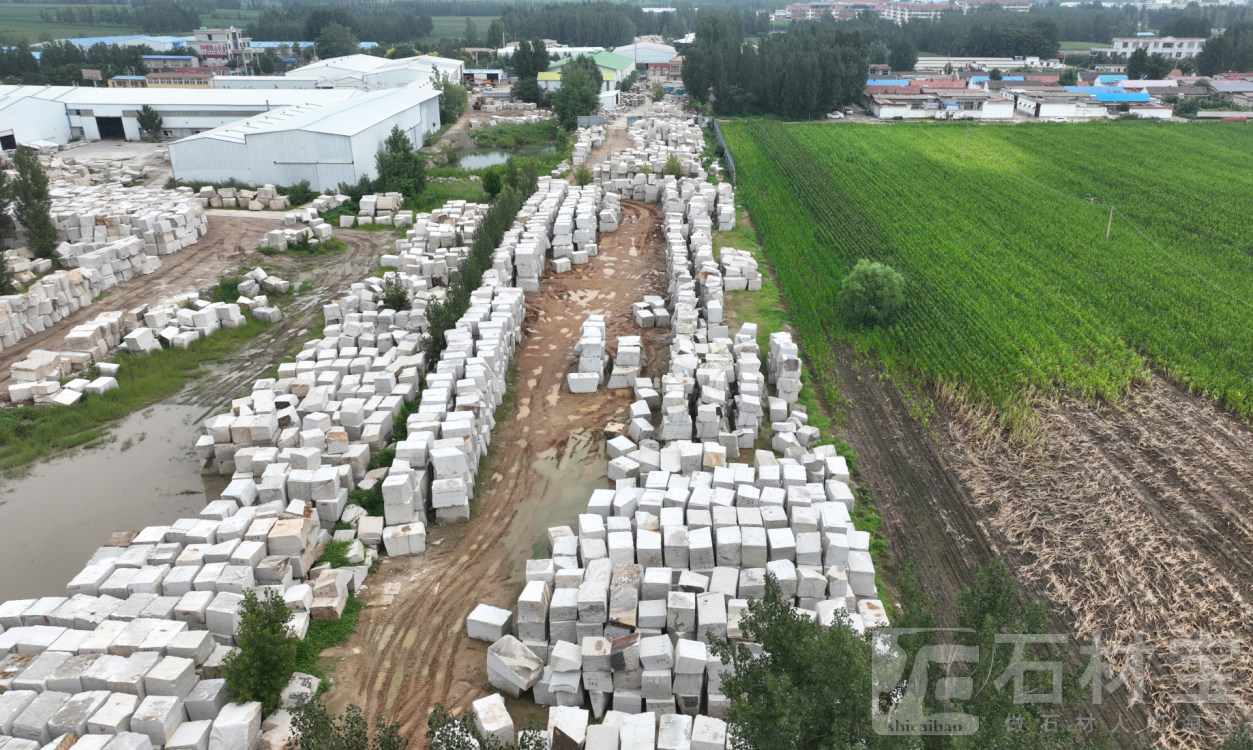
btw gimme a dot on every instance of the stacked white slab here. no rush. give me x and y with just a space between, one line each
586 140
430 250
176 321
651 312
258 280
519 119
279 239
593 356
739 269
575 225
628 361
670 556
164 221
635 172
379 208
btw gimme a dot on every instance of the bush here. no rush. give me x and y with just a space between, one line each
871 295
298 194
492 182
316 728
395 296
582 176
266 658
673 166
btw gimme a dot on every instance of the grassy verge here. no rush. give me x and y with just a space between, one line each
333 246
512 135
31 433
324 634
767 309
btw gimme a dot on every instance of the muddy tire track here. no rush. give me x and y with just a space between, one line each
410 650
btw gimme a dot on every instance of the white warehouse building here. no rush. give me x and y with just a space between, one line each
325 144
364 72
98 113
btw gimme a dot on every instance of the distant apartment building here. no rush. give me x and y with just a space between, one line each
220 46
186 78
1166 46
900 12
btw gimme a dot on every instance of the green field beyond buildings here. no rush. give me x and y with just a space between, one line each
1013 290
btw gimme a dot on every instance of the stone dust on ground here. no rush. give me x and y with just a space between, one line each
410 650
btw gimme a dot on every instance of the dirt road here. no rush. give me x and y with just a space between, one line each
410 650
230 243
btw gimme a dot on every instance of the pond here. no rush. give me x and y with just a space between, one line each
480 158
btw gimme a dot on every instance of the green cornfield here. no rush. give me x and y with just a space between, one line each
1013 290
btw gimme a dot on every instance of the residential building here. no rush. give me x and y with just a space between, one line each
676 68
1056 102
1166 46
187 78
128 82
221 46
923 101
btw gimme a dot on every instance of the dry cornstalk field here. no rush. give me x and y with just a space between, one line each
1133 519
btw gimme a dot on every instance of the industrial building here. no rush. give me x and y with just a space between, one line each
614 69
364 72
647 53
59 113
1166 46
325 144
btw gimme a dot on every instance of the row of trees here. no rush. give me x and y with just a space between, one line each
805 73
153 18
1230 51
27 200
388 23
62 63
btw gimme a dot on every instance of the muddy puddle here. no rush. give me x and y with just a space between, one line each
566 476
54 518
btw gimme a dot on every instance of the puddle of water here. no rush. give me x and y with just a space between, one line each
54 518
566 479
478 158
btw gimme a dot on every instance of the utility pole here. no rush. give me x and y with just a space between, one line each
1110 225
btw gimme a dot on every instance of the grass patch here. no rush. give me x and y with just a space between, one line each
324 634
439 193
306 249
371 501
32 433
334 554
512 135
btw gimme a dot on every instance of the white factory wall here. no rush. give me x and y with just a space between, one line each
219 164
29 120
264 82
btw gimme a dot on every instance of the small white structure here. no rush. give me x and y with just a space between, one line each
325 145
1050 104
647 53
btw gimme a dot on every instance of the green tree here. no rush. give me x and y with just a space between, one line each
336 40
496 34
395 296
265 63
402 50
400 168
452 100
995 74
471 34
266 658
447 732
7 283
1138 64
871 295
492 182
316 728
657 92
582 176
530 59
32 203
808 688
150 122
673 166
904 56
948 68
579 95
1068 77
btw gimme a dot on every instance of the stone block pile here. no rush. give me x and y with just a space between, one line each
264 198
429 252
651 312
541 116
586 140
174 322
380 208
258 280
619 615
280 239
110 234
165 221
593 357
71 170
654 141
26 269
